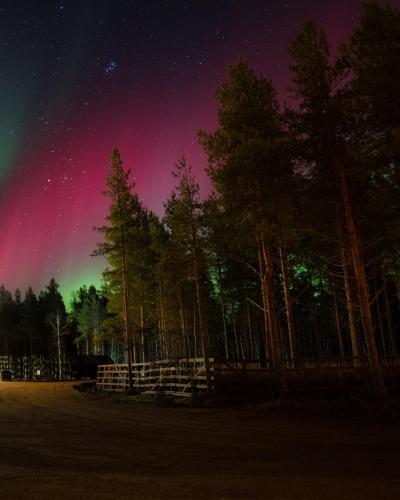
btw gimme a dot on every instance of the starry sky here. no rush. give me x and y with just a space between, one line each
80 77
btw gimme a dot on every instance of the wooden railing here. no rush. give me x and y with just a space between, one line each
305 376
185 377
178 378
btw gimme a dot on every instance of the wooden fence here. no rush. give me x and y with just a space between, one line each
308 376
245 378
178 378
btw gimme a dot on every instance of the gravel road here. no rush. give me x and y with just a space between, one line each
57 443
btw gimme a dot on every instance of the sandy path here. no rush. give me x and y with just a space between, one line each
60 444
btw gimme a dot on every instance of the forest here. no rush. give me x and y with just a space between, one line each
293 256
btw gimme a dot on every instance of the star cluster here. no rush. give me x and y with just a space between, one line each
80 78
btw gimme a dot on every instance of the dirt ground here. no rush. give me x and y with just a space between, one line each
57 443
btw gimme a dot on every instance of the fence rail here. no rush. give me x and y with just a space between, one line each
178 378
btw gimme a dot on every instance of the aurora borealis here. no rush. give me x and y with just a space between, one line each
78 78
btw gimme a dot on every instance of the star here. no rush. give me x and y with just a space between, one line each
110 68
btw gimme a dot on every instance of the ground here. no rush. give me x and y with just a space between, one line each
57 443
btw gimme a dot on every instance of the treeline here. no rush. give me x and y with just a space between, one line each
30 324
40 326
295 254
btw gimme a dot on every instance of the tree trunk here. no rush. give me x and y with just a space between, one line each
196 259
250 331
317 339
58 344
379 316
267 343
163 337
203 332
182 315
349 299
268 285
236 339
223 313
388 316
128 343
142 320
194 332
362 288
398 287
288 306
125 299
337 320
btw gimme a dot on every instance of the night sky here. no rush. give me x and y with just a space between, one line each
78 78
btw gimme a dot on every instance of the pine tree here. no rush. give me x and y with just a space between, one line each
183 212
321 122
89 311
250 169
119 236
